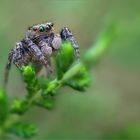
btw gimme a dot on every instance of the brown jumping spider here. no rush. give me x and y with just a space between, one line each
37 47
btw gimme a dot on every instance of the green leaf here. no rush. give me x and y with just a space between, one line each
81 80
3 106
24 130
51 88
64 58
47 103
18 106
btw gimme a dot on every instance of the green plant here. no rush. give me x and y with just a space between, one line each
41 90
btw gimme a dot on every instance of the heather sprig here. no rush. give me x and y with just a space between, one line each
41 91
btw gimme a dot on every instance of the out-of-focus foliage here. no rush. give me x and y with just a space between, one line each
3 106
24 130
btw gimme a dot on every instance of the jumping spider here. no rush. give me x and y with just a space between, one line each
38 45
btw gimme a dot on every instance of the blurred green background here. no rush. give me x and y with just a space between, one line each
110 106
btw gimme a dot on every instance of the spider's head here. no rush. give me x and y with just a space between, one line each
38 30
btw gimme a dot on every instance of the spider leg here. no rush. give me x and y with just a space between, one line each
37 54
66 34
37 66
16 57
47 51
56 42
7 68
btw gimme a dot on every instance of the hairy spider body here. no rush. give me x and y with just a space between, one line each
38 46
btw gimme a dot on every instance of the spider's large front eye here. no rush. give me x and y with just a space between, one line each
41 29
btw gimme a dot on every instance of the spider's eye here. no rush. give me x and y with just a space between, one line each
41 29
48 27
29 28
34 28
51 24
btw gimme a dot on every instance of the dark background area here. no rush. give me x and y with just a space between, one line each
110 106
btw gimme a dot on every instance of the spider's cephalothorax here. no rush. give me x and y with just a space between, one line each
38 46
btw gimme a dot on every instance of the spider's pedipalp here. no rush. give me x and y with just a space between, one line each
56 42
37 54
45 48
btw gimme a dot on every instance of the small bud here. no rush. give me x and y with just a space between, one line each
30 79
64 58
51 88
80 81
27 72
47 103
18 106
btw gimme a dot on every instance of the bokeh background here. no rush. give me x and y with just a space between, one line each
110 107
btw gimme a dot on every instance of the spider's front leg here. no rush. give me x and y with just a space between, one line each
16 57
7 68
37 54
66 34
